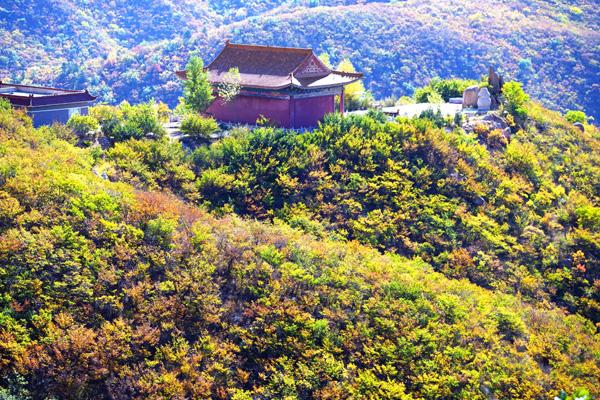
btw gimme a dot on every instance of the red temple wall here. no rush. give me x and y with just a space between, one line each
309 111
247 109
287 113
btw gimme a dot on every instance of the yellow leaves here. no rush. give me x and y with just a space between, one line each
287 183
355 89
9 207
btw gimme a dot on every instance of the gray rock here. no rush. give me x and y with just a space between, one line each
470 97
491 121
479 201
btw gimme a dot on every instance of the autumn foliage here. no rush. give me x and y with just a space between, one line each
112 291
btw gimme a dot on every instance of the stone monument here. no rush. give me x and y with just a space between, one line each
484 99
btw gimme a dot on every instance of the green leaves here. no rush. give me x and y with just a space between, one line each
197 90
197 127
516 99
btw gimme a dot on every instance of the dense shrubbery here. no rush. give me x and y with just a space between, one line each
198 127
502 213
129 122
83 125
441 90
109 292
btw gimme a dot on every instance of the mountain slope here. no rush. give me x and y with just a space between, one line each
109 292
129 50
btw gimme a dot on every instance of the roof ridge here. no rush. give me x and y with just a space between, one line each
353 74
5 84
268 48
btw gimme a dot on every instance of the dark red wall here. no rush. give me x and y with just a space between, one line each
247 109
309 111
287 113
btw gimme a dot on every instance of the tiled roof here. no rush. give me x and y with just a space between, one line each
33 96
267 67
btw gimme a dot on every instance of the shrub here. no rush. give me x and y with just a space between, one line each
576 116
435 116
496 139
4 105
160 231
62 132
198 127
422 94
515 98
107 116
510 325
215 185
521 157
588 217
439 90
126 130
83 125
145 117
126 121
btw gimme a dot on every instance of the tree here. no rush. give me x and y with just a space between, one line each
515 98
355 95
231 85
355 89
197 90
325 59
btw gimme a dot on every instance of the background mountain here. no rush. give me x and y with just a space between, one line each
129 50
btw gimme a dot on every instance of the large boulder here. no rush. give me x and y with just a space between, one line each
470 96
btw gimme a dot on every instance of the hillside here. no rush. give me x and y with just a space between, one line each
111 292
515 211
128 50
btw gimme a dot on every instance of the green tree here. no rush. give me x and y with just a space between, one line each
515 98
197 90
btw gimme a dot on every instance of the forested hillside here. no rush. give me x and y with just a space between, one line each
518 212
126 50
111 291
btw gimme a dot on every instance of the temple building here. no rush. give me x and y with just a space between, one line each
289 86
47 105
